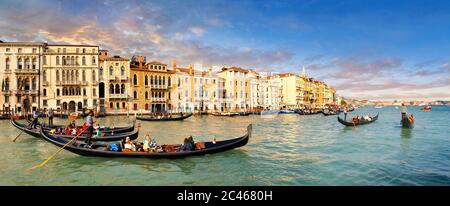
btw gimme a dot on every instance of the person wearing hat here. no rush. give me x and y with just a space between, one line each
129 145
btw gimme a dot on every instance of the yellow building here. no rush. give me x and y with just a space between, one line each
114 86
150 85
236 89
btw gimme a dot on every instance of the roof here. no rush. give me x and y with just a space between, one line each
156 63
236 69
73 45
21 43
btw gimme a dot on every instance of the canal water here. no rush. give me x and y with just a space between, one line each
288 149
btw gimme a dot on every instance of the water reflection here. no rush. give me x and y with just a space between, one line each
406 132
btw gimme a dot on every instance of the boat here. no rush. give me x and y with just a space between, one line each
361 122
286 111
177 117
328 112
225 114
4 116
107 136
100 149
104 129
244 113
74 115
378 107
308 112
407 121
426 108
269 113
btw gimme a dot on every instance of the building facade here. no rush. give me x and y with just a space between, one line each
20 68
70 77
114 83
236 89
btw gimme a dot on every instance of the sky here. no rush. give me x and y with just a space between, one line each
376 50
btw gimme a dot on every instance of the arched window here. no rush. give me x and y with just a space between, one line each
34 63
6 84
83 76
164 81
72 75
123 104
76 60
63 75
117 105
63 60
84 92
111 105
122 71
111 72
122 89
111 89
135 95
72 61
57 75
83 60
151 80
93 60
146 95
169 81
44 92
57 60
20 63
27 63
100 72
146 80
135 81
76 75
7 63
44 60
93 75
117 89
159 80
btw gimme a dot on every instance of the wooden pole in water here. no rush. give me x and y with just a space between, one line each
60 149
14 140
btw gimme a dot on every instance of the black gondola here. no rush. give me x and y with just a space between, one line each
225 114
176 118
107 137
244 113
303 112
330 112
406 123
104 129
360 122
99 149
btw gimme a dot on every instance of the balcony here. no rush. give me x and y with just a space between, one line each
67 83
26 92
157 99
26 71
7 71
117 96
7 92
155 86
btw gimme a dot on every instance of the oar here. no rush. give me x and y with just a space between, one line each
51 157
14 140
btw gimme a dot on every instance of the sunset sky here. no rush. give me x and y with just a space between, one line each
365 49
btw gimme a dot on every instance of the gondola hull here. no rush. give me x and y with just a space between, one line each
99 149
356 123
225 114
152 119
406 123
107 138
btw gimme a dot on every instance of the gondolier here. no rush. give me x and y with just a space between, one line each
90 125
35 119
403 110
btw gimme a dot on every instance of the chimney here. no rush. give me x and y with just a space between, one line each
191 70
174 64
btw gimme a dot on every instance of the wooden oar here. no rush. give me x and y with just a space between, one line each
14 140
51 157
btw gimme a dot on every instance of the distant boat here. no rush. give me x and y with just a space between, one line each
378 107
286 111
269 113
357 122
426 109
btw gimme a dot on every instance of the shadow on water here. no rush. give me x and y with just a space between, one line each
405 132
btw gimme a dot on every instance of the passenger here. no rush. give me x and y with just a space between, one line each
187 146
191 140
146 143
129 145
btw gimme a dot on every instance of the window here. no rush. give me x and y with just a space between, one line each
44 92
111 72
57 75
6 84
57 60
83 76
44 60
100 72
44 102
122 89
7 63
57 92
44 75
111 88
63 60
122 71
78 50
94 92
83 60
84 51
8 49
135 82
34 50
146 95
19 50
93 60
84 92
135 95
93 75
146 80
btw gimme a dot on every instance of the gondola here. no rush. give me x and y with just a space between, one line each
302 112
360 122
406 122
176 118
107 137
329 113
99 149
244 113
286 111
225 114
104 129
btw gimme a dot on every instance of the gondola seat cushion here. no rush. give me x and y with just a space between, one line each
199 145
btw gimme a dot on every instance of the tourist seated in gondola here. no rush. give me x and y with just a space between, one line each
129 146
147 147
187 145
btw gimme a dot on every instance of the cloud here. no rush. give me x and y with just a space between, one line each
356 69
197 30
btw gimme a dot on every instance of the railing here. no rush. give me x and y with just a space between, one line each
26 71
66 82
6 92
118 96
155 86
158 99
26 92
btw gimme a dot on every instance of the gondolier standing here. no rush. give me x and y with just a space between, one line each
50 117
90 124
35 119
403 110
